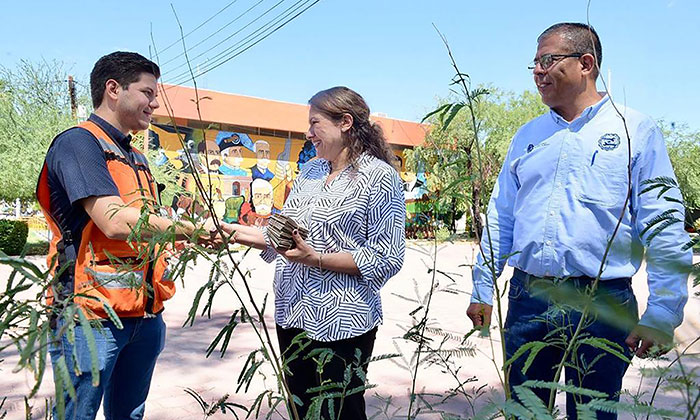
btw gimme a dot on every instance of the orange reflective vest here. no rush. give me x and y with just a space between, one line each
131 278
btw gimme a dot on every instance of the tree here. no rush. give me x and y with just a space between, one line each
34 107
448 156
684 150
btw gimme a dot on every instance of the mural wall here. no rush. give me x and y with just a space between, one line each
249 176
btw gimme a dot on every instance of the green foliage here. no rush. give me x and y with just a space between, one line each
571 389
37 248
442 234
605 345
683 146
533 347
634 409
680 376
224 334
165 174
458 185
668 218
659 223
211 408
536 407
34 107
448 156
92 347
13 236
25 323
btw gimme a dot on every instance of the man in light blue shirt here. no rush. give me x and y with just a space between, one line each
556 204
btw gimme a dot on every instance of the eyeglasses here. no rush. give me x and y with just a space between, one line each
548 60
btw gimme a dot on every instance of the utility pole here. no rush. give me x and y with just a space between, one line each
73 99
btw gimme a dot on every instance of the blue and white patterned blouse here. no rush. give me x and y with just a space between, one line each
361 211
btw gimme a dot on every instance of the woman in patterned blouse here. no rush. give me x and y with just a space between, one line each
351 201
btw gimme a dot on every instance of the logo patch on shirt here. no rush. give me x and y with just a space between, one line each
531 147
609 141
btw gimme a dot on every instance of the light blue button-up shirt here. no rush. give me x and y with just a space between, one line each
558 198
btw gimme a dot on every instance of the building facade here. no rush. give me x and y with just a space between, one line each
247 151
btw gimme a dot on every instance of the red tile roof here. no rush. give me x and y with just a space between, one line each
227 108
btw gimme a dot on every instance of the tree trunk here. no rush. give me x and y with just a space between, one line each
476 209
476 226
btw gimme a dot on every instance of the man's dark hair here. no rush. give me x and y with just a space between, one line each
580 38
124 67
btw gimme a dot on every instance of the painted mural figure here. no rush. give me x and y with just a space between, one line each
209 157
284 177
232 156
261 170
234 205
235 160
260 207
307 153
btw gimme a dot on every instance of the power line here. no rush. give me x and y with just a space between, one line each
256 42
251 36
222 55
170 71
214 33
233 53
200 25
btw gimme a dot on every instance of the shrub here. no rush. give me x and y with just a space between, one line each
442 234
13 236
37 248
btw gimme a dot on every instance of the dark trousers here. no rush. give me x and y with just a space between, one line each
303 357
537 307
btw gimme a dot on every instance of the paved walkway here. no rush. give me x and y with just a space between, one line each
183 363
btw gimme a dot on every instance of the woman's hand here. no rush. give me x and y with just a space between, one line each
210 236
245 235
302 253
229 229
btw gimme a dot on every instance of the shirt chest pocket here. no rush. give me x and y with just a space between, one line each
602 179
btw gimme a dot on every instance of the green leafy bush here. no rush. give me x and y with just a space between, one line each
13 236
37 248
442 234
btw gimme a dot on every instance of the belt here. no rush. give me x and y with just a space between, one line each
579 282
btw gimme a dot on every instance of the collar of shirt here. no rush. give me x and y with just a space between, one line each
363 159
120 138
585 116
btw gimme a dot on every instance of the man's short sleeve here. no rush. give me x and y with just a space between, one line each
77 162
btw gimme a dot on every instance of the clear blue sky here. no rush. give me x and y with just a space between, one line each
386 50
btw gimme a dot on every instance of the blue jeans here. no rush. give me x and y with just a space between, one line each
126 360
537 307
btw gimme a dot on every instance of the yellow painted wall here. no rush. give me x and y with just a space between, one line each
229 179
231 186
